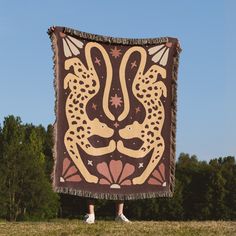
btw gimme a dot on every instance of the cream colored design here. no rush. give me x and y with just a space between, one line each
84 84
161 53
148 91
71 45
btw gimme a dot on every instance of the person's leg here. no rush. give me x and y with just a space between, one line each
89 218
119 207
91 206
119 212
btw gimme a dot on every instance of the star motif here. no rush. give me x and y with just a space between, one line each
116 124
116 101
133 64
115 52
140 165
94 106
137 109
90 163
97 61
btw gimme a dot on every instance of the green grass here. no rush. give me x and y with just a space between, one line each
159 228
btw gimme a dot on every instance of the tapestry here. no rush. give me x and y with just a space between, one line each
115 108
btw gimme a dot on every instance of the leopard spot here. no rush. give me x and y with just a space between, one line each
155 107
139 95
150 133
91 91
75 101
94 82
80 128
137 86
72 152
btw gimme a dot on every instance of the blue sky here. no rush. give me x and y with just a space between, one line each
206 84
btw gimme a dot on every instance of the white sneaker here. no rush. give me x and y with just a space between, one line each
89 218
122 218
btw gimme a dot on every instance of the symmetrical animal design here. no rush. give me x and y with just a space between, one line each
148 91
84 84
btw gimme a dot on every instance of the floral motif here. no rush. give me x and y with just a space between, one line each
69 173
115 174
160 53
71 45
158 176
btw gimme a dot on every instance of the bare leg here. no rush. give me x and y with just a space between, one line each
119 207
120 217
90 206
89 218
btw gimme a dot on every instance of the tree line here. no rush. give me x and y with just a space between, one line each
203 190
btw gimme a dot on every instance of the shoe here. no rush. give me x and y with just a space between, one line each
89 218
122 218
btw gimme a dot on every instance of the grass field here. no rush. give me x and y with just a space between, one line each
159 228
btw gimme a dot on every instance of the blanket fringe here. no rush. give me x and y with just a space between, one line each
173 117
112 196
55 69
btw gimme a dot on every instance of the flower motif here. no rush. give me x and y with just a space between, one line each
158 176
115 174
160 53
69 173
71 45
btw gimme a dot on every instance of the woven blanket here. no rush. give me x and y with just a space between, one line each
114 133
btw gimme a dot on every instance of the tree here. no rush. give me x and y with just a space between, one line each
25 188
